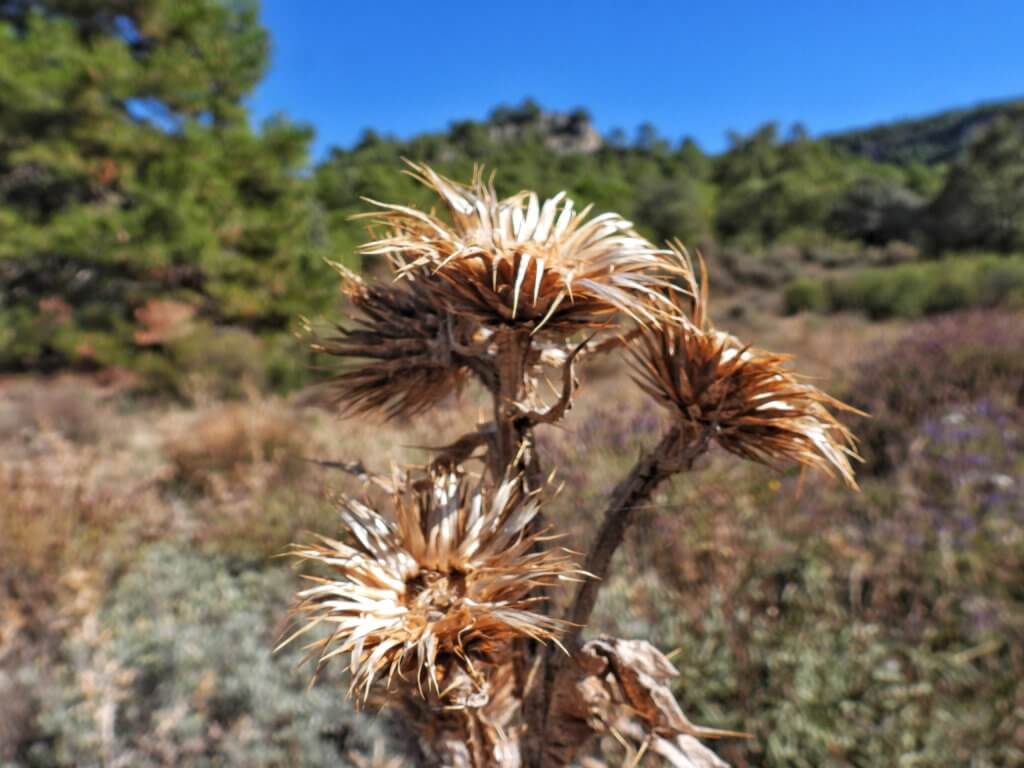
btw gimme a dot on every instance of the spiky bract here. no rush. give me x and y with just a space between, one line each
753 404
518 261
444 579
404 347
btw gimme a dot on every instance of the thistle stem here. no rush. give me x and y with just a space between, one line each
510 363
675 453
648 473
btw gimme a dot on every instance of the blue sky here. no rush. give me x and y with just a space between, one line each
691 68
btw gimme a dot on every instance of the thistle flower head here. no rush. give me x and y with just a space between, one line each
444 579
519 261
752 403
404 346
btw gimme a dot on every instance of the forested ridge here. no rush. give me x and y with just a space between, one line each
148 225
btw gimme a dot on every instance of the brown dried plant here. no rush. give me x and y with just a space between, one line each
447 577
438 599
407 346
755 406
519 261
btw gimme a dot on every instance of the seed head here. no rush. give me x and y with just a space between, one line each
519 261
403 346
444 578
754 405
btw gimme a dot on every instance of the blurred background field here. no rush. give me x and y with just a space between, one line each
140 603
157 251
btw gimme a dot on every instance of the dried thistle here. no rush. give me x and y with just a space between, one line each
515 260
443 581
404 345
477 723
441 592
756 407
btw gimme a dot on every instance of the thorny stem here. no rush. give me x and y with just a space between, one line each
675 453
513 436
665 460
557 411
611 343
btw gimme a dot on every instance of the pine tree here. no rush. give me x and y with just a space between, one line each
137 204
982 202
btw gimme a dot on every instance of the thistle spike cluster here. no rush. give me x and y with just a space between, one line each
445 577
435 592
754 405
519 261
404 346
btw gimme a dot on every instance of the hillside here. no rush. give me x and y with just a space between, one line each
936 138
176 235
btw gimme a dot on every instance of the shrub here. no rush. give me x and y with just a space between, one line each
834 254
176 670
228 439
222 362
900 252
803 294
241 472
63 510
939 364
876 210
913 290
1001 283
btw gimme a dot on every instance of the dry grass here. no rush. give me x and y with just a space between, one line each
71 510
829 349
86 477
66 406
89 477
216 447
750 576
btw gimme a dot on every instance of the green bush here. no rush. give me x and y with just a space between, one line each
224 362
805 294
1001 282
178 670
913 290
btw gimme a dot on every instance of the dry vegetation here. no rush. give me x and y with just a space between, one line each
140 597
839 631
